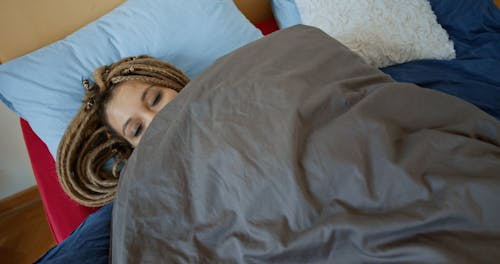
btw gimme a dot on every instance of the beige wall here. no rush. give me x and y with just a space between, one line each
15 169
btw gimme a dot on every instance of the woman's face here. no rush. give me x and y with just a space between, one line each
133 105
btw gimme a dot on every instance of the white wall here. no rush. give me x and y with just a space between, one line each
15 169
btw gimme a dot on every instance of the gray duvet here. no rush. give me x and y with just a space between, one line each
292 150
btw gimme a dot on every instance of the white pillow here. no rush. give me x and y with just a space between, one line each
383 32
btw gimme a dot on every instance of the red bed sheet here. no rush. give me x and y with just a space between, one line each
63 214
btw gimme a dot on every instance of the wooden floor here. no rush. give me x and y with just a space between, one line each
24 232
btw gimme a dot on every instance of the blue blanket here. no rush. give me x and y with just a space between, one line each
89 243
474 76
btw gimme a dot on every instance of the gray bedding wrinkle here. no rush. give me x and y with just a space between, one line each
292 150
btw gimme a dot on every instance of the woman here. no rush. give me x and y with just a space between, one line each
116 111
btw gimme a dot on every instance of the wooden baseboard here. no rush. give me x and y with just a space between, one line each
19 199
24 232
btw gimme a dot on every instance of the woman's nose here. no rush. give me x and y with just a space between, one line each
148 116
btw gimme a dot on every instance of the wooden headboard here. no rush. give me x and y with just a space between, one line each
31 24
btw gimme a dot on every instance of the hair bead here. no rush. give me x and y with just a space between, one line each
86 84
90 103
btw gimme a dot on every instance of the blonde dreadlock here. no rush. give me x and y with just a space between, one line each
89 142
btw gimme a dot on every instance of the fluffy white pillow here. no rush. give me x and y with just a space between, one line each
383 32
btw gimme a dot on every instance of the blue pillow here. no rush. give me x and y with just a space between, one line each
44 87
286 13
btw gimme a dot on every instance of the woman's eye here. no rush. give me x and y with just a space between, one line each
156 99
138 130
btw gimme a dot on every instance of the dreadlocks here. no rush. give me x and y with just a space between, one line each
89 142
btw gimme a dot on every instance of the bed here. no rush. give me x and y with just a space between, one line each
477 45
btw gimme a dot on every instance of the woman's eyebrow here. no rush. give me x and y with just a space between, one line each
143 97
125 126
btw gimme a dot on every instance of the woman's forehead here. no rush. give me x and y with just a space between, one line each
124 103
